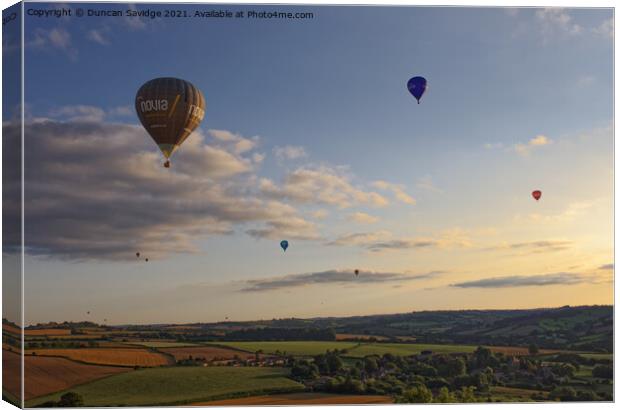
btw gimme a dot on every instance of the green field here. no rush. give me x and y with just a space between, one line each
405 349
354 349
598 356
293 348
157 344
179 385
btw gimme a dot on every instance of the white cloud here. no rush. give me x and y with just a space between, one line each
99 191
397 190
322 185
78 113
98 37
363 218
605 29
238 143
122 111
290 152
319 214
380 241
534 143
572 211
556 21
55 38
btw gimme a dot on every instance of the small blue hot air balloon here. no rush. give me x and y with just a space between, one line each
417 86
284 245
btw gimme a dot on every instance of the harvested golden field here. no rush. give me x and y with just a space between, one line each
114 357
299 399
517 350
11 369
48 332
206 352
11 329
45 375
112 344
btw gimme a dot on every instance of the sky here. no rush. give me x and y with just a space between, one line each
310 135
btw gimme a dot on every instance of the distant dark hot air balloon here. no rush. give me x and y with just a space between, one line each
137 254
536 194
146 260
170 109
284 245
417 87
357 272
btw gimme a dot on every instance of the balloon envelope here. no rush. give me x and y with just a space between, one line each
536 195
169 109
357 272
417 87
284 245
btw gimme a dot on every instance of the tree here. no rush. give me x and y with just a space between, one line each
417 394
370 365
603 371
563 393
444 396
467 395
533 349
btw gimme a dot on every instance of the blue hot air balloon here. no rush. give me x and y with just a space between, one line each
284 245
417 86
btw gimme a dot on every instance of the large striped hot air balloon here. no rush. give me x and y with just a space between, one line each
169 109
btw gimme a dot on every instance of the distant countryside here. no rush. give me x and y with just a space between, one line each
562 354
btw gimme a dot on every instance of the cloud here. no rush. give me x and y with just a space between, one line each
402 244
571 212
609 266
605 29
320 214
383 240
560 278
556 21
56 38
122 111
426 183
238 143
534 143
98 37
98 191
397 191
360 238
322 185
289 152
363 218
80 113
89 113
134 23
332 277
537 246
291 227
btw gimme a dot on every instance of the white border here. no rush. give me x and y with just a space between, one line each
474 3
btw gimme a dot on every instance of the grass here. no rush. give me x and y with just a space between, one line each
598 356
405 349
354 349
179 385
293 348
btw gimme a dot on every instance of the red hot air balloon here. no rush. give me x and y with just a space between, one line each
537 194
